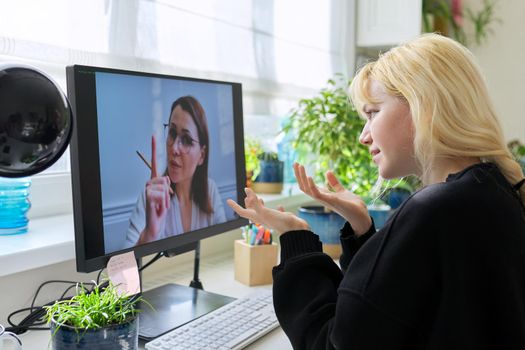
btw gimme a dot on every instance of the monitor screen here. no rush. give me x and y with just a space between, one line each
153 160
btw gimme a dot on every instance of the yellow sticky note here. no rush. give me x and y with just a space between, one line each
124 273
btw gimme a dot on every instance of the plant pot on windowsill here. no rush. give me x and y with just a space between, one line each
328 224
396 196
380 212
270 178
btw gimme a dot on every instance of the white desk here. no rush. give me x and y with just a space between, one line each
216 274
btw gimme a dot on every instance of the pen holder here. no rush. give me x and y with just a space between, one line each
254 263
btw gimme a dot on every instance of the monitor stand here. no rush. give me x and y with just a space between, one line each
175 305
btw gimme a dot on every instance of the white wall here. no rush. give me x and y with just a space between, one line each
502 59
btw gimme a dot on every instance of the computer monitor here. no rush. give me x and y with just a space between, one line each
196 126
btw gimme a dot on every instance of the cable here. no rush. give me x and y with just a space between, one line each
155 258
74 283
35 318
99 273
63 296
37 313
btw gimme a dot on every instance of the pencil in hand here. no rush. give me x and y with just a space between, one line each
144 160
149 167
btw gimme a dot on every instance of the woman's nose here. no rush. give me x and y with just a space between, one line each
176 148
365 138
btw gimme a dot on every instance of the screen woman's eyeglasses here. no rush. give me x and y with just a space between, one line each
183 141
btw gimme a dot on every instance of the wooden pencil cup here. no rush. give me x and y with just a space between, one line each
254 263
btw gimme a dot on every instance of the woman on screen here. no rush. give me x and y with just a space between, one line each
184 198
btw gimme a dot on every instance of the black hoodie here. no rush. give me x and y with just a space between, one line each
447 271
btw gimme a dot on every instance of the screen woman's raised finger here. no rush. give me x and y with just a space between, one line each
153 157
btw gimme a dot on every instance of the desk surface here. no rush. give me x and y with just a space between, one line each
216 274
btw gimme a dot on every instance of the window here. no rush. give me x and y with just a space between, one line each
279 50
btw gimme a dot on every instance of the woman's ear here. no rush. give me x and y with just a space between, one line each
203 154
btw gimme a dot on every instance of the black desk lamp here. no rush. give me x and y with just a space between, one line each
35 121
35 129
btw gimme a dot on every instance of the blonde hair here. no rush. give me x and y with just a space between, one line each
452 112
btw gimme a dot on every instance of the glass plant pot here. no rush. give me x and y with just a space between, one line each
122 336
14 204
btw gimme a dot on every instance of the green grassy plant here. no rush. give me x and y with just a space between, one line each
93 310
518 152
517 149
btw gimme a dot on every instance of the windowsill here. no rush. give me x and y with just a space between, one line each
51 239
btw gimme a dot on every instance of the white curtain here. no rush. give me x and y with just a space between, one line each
280 50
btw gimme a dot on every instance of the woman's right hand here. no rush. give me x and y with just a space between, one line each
271 218
158 190
347 204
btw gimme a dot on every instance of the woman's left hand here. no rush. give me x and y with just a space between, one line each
258 213
342 201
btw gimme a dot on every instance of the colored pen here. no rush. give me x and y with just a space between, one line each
260 234
266 238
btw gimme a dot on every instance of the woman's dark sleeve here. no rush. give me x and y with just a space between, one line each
305 289
351 243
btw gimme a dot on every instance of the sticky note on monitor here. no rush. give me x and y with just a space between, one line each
124 273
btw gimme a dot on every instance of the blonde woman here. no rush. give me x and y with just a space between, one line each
447 271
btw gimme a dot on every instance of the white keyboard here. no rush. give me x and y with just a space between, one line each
230 327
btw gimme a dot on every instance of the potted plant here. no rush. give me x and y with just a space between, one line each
395 194
270 176
252 151
101 318
450 18
327 130
264 170
518 152
328 127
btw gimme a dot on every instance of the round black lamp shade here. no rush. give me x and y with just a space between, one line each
35 121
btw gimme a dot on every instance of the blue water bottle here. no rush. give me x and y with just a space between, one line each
14 204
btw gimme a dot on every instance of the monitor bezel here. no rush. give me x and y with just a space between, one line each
85 170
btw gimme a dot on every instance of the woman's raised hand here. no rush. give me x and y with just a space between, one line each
347 204
158 191
275 219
